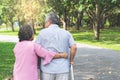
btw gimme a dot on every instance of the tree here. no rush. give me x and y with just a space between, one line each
78 9
28 11
8 11
98 10
60 7
69 11
23 10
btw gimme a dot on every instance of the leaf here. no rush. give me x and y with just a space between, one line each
114 1
80 8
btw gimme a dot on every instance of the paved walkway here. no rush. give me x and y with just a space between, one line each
91 63
6 38
96 63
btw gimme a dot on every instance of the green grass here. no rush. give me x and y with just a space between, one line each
15 33
6 59
109 38
9 32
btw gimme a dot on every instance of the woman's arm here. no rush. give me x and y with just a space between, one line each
47 55
61 55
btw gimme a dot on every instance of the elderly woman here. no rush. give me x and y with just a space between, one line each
26 55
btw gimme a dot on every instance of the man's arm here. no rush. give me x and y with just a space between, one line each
73 49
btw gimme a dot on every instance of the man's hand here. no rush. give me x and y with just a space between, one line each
72 62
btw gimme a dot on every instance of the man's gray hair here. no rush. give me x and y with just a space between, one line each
53 18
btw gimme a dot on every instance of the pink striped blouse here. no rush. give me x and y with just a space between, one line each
26 52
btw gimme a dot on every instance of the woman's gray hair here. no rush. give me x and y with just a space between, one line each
25 32
53 18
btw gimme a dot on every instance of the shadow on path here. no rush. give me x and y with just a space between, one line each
96 63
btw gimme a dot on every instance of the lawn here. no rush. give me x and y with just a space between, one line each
15 33
109 38
6 59
9 32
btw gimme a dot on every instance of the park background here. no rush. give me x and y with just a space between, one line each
93 22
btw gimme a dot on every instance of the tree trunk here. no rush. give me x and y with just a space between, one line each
78 21
65 19
96 31
118 19
63 22
12 26
102 21
19 23
6 26
32 25
96 27
79 18
6 22
68 21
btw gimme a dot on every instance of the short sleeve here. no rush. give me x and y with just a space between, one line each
71 40
43 53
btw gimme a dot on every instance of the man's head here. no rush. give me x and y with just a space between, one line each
51 18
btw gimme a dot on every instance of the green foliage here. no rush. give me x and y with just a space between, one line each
107 24
72 12
8 8
6 59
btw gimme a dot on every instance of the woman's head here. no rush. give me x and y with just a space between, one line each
25 33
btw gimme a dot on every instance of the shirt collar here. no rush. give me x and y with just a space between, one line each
53 26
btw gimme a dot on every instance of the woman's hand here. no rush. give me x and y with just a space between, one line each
61 55
64 55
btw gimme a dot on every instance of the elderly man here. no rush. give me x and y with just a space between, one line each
59 40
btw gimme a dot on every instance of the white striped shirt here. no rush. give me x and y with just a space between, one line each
57 40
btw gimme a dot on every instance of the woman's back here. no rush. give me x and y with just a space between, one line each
25 67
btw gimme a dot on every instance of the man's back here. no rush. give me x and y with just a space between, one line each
57 40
